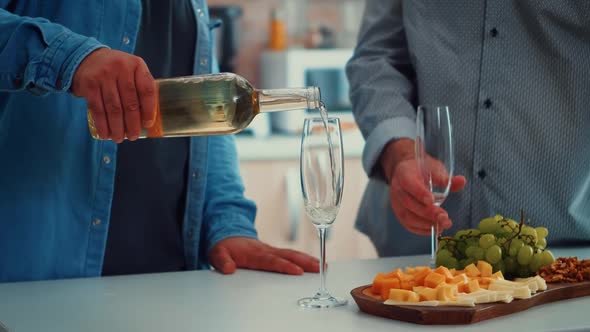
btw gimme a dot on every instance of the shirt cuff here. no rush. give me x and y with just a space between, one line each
55 70
387 131
223 226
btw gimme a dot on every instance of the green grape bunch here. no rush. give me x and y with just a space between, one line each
515 248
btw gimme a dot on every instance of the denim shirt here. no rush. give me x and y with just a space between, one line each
56 182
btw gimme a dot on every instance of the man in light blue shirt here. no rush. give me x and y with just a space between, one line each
516 77
57 184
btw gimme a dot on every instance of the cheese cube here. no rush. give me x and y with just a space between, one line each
434 279
445 292
473 286
407 284
386 285
397 273
425 293
420 275
403 295
484 268
445 272
459 279
472 271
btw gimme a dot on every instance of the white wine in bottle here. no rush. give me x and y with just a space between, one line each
216 104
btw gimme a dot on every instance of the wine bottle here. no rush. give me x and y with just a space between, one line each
216 104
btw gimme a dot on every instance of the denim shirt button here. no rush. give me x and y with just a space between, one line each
200 12
106 160
96 222
126 40
204 62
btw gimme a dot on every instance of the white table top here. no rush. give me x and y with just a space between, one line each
245 301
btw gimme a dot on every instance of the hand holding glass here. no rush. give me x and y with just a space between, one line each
434 155
322 180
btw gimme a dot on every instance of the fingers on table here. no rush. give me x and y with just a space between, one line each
270 261
222 261
306 262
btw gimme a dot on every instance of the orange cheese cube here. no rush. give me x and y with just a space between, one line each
484 268
484 282
459 279
397 273
457 272
426 293
445 292
403 295
498 275
407 284
377 282
434 279
421 268
472 271
420 275
442 270
472 286
413 297
462 287
387 285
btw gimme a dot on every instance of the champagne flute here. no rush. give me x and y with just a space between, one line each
434 155
322 180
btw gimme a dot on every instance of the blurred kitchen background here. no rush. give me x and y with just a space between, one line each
294 43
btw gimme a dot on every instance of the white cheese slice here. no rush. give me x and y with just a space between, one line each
528 282
518 292
419 304
488 296
457 303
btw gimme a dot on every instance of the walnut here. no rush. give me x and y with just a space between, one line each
566 269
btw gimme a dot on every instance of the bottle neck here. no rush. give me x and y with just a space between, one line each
272 100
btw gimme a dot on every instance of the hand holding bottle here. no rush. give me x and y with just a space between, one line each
411 201
120 92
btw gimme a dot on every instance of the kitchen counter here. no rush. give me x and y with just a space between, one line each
287 147
245 301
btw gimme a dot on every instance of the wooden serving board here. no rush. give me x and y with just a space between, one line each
369 303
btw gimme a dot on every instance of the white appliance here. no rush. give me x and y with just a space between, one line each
295 68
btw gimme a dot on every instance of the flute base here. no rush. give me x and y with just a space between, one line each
321 300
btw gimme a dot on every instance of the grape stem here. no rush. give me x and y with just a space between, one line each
529 238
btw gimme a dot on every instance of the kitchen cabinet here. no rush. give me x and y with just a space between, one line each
281 220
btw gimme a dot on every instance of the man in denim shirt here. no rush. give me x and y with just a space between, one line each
71 206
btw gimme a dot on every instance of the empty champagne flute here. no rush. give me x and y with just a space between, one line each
434 156
322 180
